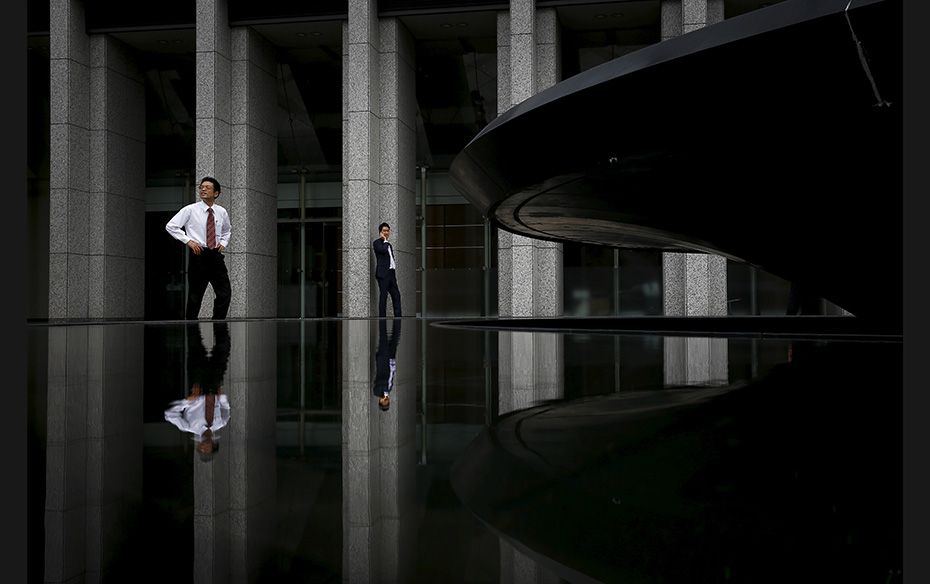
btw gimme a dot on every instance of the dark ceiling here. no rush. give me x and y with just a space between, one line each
456 67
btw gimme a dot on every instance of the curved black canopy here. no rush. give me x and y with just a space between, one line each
773 138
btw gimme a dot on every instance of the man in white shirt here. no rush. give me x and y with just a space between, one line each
204 227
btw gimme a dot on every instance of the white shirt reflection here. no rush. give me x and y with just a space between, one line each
190 414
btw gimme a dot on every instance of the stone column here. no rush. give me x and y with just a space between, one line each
361 156
93 485
531 365
117 182
530 270
97 172
213 119
694 284
505 249
397 204
252 193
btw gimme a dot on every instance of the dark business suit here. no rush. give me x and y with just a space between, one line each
387 278
208 369
385 371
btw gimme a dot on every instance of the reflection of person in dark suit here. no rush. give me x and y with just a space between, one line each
206 409
386 271
385 362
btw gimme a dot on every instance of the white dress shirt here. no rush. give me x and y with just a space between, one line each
189 415
191 223
391 255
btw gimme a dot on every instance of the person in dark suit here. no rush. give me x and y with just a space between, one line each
386 271
386 363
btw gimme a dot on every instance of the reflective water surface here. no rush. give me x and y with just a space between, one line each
397 451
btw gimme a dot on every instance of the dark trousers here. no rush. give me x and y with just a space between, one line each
388 285
207 268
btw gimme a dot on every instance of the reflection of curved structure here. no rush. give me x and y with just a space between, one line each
792 162
762 481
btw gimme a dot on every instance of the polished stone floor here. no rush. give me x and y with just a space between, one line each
257 451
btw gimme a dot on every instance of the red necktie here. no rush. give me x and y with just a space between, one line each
211 230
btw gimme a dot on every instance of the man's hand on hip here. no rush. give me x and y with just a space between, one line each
195 247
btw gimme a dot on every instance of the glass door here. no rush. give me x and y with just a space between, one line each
322 293
309 268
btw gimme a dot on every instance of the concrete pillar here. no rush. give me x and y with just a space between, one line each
117 182
693 284
237 144
530 270
397 204
252 193
97 172
214 121
379 155
361 156
93 485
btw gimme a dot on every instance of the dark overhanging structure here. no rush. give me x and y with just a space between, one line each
772 138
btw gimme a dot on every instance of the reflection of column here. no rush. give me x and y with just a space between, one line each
531 369
361 529
379 459
398 460
517 568
94 448
696 361
234 492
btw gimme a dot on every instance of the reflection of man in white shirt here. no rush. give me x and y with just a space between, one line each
201 415
206 409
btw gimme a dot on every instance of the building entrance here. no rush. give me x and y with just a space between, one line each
309 268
